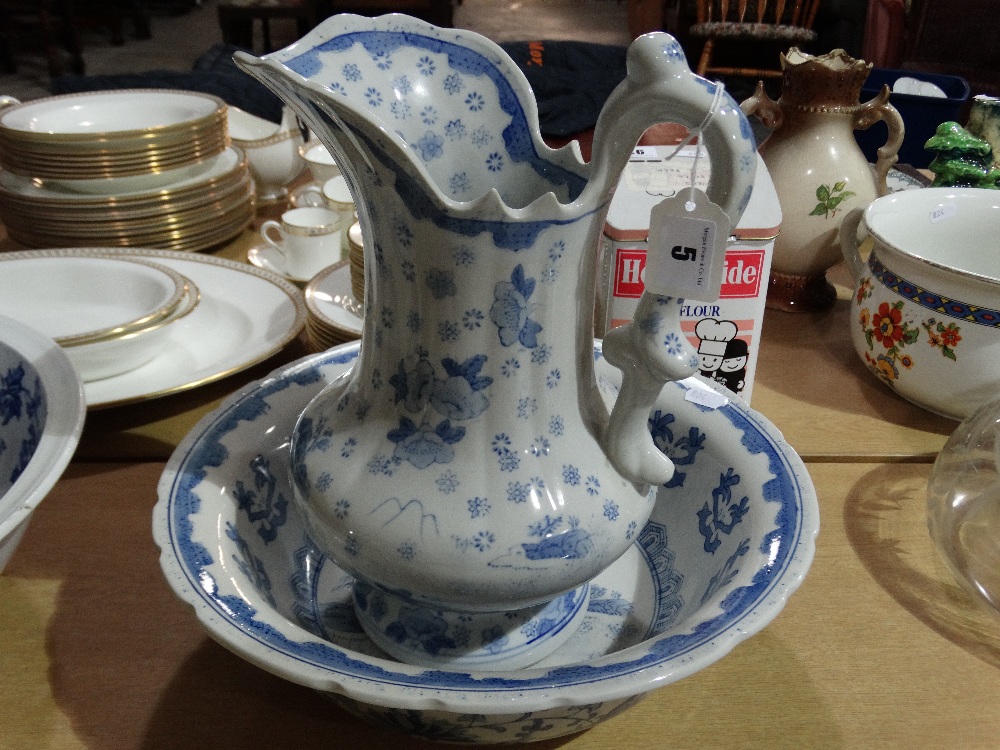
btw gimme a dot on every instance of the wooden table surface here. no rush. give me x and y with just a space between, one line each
879 648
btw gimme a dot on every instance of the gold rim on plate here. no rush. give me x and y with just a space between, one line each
278 339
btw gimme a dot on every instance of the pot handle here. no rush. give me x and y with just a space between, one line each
849 242
651 350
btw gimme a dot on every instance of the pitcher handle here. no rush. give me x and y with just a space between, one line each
660 87
651 350
849 242
878 108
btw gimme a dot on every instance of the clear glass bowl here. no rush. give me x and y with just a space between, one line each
963 503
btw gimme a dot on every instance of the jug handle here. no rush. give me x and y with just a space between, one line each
660 87
849 242
766 109
651 350
878 108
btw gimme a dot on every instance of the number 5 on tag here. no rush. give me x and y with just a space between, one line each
687 247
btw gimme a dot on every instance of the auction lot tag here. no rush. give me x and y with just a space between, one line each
687 247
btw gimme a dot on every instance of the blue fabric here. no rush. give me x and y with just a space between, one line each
571 81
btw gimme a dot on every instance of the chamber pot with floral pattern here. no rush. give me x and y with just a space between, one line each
925 317
466 471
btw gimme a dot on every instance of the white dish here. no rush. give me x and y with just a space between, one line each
138 183
41 418
108 357
106 112
329 300
244 316
121 189
75 299
234 548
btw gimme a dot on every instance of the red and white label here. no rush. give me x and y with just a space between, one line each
741 273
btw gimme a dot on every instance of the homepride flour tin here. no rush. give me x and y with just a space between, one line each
726 331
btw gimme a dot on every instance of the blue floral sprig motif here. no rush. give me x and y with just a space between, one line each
12 392
682 451
312 435
724 513
608 603
423 628
460 394
430 146
728 571
510 310
250 565
413 383
265 507
16 400
572 544
425 445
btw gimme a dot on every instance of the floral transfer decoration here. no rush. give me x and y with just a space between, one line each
932 301
888 335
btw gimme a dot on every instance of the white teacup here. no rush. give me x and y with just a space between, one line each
307 239
319 160
925 316
333 194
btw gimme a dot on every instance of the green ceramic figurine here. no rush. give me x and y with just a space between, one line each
961 159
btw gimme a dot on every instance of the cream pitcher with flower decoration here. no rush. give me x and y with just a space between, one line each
819 171
468 472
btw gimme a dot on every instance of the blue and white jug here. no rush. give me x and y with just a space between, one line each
467 471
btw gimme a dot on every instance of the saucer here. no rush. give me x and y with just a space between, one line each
335 317
269 259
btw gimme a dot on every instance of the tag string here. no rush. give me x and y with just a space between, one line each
719 91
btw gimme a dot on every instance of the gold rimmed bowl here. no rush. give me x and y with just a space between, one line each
109 134
108 314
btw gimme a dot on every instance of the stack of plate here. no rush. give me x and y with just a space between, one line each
123 169
111 133
356 257
201 206
333 314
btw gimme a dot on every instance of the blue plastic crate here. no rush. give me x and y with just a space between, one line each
921 114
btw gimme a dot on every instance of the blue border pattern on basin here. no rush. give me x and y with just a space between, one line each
208 451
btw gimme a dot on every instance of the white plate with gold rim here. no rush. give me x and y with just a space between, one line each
123 189
331 305
245 315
